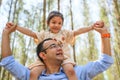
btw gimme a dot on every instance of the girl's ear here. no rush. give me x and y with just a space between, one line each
42 55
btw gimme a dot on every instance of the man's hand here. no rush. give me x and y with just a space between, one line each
10 27
100 27
101 30
106 47
99 24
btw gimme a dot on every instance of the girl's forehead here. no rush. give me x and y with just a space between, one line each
56 17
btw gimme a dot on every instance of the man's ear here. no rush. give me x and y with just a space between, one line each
42 55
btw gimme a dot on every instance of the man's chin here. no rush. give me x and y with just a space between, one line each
61 58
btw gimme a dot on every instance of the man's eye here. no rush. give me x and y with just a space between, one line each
53 46
61 45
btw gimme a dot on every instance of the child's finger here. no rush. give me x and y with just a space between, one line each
97 25
97 29
9 24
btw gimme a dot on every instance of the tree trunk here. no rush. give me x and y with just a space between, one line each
44 15
72 25
48 8
58 5
116 3
92 54
117 36
10 10
14 35
0 2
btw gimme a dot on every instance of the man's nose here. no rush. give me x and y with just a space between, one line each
59 47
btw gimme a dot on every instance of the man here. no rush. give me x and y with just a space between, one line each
51 53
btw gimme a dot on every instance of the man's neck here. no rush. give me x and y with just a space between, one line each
50 69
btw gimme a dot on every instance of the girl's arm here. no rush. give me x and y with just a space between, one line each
26 31
83 30
98 24
22 30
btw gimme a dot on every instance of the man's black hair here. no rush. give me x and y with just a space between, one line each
40 48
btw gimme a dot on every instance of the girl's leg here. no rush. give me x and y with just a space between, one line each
36 71
69 71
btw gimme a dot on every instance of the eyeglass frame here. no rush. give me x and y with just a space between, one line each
55 46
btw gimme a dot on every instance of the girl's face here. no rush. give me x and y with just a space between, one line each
55 24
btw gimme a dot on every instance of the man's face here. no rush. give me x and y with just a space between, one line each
53 50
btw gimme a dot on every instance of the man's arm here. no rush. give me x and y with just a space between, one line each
106 47
6 51
8 62
105 61
105 38
5 47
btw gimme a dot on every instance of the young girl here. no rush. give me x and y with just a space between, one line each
55 21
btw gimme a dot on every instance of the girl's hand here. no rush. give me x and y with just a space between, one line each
99 24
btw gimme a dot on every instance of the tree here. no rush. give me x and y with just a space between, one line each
58 5
0 2
117 37
44 15
92 54
72 25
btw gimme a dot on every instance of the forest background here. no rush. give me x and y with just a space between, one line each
32 14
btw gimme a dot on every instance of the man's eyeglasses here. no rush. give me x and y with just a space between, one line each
53 46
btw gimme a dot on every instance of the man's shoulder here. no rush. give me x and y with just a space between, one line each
78 67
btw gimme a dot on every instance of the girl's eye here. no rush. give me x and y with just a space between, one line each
53 22
60 23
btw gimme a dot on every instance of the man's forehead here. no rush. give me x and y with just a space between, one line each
50 42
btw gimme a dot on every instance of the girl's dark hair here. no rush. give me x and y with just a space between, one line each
53 14
40 48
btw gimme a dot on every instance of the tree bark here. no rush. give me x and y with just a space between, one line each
44 15
72 25
58 5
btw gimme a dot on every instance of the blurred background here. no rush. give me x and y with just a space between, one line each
32 14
